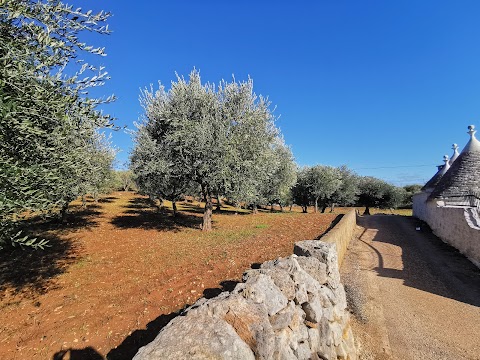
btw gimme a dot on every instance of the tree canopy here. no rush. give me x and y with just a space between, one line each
222 138
48 124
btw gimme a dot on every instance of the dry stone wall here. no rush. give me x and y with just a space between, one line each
342 233
289 308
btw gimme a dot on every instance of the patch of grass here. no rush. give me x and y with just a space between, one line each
261 226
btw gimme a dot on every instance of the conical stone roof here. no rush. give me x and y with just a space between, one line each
463 177
430 185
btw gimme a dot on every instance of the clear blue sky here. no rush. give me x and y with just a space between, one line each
384 87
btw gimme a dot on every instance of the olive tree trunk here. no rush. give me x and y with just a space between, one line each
207 214
174 206
63 212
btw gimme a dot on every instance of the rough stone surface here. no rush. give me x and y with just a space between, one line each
284 317
325 253
196 336
290 308
280 278
250 321
314 268
262 290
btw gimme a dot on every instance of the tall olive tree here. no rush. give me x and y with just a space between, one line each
347 193
155 174
216 137
323 182
375 192
278 188
301 191
43 108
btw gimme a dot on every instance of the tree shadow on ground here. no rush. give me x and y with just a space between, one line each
141 214
87 353
107 199
31 272
332 225
199 210
150 219
130 346
76 218
429 264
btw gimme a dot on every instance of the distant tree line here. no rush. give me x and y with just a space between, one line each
326 186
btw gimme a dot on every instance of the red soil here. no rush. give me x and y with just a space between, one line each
119 271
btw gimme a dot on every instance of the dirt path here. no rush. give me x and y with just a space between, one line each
414 297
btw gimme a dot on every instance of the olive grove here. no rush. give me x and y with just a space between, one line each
50 148
221 140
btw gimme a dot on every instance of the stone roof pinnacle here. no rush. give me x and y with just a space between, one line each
455 154
446 166
473 144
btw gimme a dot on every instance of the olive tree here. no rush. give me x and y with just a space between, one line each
45 110
323 182
375 192
301 191
347 193
278 188
217 137
155 174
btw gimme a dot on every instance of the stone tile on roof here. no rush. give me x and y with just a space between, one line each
463 177
442 169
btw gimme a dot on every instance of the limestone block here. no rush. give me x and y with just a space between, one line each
261 289
283 345
313 310
301 295
314 339
196 336
314 268
302 277
248 319
337 333
303 351
289 264
339 297
326 253
298 325
280 277
284 317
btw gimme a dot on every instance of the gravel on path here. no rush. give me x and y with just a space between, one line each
413 296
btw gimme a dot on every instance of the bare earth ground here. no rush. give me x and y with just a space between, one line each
413 296
119 271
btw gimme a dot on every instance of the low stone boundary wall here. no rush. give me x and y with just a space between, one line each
289 308
342 233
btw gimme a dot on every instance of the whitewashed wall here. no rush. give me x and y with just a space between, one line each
457 226
420 205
